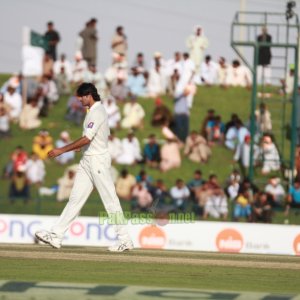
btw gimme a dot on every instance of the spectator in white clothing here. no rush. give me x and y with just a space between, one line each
61 142
180 194
80 66
276 190
133 114
271 158
14 101
113 112
216 205
222 72
157 82
114 146
35 169
63 63
208 71
239 75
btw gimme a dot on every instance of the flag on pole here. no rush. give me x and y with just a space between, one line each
33 50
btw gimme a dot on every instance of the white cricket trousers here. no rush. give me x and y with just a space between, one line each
93 171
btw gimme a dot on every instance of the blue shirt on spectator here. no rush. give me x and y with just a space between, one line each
136 85
295 193
151 152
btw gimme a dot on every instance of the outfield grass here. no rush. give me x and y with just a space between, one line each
232 272
225 102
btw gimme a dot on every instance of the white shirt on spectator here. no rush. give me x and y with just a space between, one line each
209 72
35 170
131 151
63 64
115 148
15 102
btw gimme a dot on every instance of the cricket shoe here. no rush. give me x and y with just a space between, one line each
49 238
121 246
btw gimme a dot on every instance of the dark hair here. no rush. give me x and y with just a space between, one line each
86 89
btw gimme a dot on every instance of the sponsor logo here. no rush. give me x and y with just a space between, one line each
297 244
229 240
90 125
152 237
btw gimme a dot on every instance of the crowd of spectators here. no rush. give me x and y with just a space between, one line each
122 86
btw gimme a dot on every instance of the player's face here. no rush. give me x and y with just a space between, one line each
85 100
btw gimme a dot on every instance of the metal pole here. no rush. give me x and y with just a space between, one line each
294 115
252 115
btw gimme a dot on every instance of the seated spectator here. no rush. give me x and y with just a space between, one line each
118 68
160 194
131 151
271 158
222 72
196 182
276 191
49 90
140 63
35 169
62 62
65 183
196 148
114 146
133 114
152 152
118 89
161 113
293 197
144 179
174 64
239 75
288 82
136 83
29 118
95 77
42 144
242 206
62 82
4 123
124 185
14 101
216 205
262 208
75 111
61 142
80 66
142 197
231 122
156 85
169 153
19 186
180 195
209 118
217 131
208 71
263 118
233 189
235 175
18 159
113 112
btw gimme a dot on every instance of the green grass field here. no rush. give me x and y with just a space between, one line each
183 274
225 102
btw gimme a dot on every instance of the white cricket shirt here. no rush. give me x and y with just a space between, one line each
95 128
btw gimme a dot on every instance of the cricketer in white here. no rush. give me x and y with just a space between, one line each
93 171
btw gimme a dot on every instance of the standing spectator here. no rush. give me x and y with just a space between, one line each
264 57
42 144
35 169
140 63
90 37
61 142
124 185
14 101
66 183
197 44
63 85
29 118
216 205
157 82
152 152
175 64
113 112
276 191
48 65
180 195
133 114
182 114
196 148
119 42
262 208
53 38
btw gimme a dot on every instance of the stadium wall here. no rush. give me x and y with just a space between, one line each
190 236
